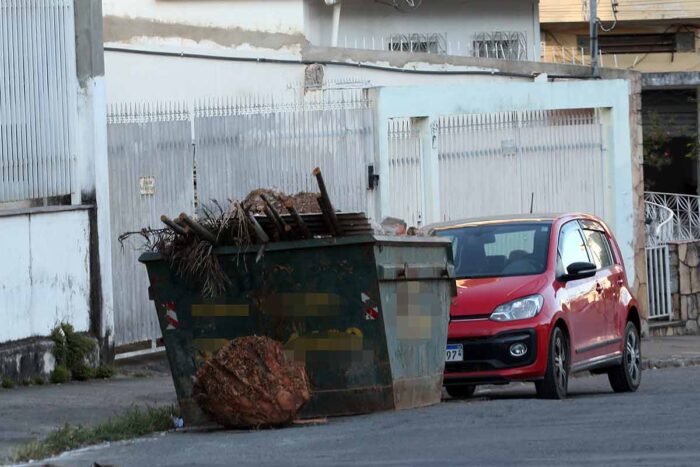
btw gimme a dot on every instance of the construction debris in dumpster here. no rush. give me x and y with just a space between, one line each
188 244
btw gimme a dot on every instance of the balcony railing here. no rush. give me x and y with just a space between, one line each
671 217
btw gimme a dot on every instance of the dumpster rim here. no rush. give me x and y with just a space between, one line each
383 240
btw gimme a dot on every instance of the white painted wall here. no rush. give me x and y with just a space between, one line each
44 273
364 20
134 78
285 16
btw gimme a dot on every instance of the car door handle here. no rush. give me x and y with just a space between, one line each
599 288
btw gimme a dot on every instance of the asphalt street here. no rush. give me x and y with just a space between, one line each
657 426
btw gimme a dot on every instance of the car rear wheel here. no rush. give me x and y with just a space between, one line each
627 376
556 380
461 392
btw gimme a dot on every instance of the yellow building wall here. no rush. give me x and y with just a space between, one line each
571 11
560 46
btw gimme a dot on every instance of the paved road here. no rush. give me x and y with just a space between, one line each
659 425
33 412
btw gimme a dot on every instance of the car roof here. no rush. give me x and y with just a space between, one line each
505 219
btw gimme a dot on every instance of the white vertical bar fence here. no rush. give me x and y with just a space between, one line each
37 99
659 282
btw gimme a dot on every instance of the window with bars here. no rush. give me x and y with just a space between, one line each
505 45
642 43
418 42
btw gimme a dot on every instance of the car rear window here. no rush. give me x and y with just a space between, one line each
499 250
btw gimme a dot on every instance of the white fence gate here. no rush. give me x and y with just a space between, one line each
659 282
37 98
406 197
150 167
503 163
233 147
246 145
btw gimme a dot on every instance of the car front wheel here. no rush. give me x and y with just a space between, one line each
556 380
627 376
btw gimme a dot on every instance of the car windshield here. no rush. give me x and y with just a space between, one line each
499 250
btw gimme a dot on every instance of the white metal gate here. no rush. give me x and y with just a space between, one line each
151 173
238 147
659 282
506 163
38 86
242 146
406 197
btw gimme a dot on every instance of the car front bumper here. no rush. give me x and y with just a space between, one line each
487 357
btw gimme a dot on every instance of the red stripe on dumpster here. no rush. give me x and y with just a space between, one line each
171 316
371 311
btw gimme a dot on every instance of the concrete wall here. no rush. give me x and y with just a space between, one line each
684 267
139 77
45 272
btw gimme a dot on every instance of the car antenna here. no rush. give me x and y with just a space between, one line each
532 201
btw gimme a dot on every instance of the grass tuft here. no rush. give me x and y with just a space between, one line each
60 374
7 383
133 423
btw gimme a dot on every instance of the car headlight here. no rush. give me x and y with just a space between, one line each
522 308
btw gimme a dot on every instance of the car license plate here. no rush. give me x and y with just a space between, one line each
455 353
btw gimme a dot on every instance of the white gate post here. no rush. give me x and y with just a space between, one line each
430 169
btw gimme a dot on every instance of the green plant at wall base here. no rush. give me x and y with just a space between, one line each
39 381
7 383
71 350
658 136
104 372
60 374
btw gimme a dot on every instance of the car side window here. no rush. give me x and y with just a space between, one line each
572 248
599 248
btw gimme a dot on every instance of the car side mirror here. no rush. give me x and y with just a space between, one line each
579 270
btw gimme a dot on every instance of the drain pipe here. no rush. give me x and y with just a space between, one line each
336 20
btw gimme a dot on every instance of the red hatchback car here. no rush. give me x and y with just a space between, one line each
539 297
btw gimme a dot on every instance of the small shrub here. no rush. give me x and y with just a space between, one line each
39 381
82 372
7 383
104 372
71 350
27 382
60 374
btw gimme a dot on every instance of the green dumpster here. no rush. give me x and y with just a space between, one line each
366 314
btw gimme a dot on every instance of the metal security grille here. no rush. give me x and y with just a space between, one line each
659 282
248 144
506 163
37 98
504 45
405 171
150 168
232 147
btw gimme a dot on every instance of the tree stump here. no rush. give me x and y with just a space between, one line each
251 383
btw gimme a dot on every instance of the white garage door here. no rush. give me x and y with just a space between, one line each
506 163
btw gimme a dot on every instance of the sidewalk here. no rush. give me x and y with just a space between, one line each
675 351
28 413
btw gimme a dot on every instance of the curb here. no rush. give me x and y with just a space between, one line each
671 362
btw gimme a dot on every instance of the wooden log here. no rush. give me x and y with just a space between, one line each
198 230
259 231
325 204
178 229
281 224
301 225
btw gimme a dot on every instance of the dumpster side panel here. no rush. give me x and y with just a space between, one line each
416 286
320 298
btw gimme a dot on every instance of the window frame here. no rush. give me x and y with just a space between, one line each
559 267
594 226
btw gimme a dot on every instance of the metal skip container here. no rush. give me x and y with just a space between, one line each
367 315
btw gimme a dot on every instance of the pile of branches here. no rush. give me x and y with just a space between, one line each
264 216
